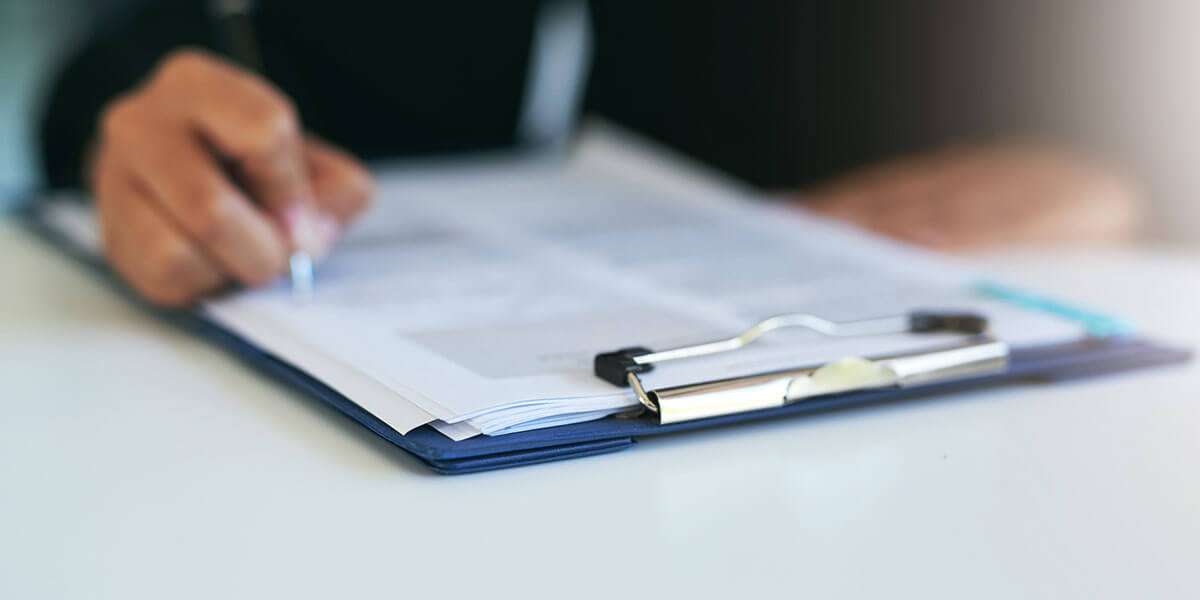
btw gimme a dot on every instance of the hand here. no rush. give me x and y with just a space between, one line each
967 198
202 177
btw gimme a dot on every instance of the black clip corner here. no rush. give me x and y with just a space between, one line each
930 322
615 367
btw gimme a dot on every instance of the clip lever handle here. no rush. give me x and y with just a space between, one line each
615 367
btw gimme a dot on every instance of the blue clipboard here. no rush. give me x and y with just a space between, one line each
1119 351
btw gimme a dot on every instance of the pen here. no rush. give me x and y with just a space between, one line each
236 30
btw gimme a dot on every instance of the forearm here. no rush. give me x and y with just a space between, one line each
984 195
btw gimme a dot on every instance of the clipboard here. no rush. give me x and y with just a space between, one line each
980 362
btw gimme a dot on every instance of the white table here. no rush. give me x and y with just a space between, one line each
136 461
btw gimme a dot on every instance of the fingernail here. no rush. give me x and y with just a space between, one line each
301 222
328 230
928 236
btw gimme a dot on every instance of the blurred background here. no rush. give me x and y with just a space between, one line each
34 35
1115 77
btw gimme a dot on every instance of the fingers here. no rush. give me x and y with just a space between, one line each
146 249
189 188
214 158
941 200
972 198
207 167
252 125
342 185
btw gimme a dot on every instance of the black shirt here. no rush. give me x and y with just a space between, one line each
778 92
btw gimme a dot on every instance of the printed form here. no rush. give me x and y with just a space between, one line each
474 297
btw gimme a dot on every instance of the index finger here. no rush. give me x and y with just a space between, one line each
255 127
185 181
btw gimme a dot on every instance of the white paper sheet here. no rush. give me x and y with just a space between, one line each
479 294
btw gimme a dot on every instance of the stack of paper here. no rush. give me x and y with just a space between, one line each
474 296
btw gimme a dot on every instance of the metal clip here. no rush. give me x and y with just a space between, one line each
772 390
980 355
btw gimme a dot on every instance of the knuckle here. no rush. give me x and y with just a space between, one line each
118 117
210 210
261 274
361 185
183 62
353 186
172 297
270 124
262 268
167 281
172 264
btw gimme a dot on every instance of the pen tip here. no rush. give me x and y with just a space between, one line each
300 271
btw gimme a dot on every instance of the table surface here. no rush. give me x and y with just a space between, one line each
138 461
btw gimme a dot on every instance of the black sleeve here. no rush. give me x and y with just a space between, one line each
786 93
115 58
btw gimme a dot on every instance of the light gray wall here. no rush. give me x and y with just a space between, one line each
1128 72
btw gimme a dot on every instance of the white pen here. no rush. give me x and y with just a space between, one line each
237 27
300 271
